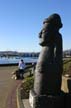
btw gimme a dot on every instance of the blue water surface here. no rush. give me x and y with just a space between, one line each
11 60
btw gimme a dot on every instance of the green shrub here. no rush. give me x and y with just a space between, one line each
26 86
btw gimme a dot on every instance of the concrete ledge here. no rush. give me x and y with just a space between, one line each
26 103
19 100
66 84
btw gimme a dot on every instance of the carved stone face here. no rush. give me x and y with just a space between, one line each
51 25
55 20
44 35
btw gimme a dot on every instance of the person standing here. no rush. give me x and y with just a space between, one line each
21 67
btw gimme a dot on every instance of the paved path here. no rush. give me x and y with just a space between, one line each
8 87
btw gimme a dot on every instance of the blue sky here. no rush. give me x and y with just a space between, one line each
21 21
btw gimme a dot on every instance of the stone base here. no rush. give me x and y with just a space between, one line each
44 101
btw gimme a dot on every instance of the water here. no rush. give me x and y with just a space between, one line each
11 60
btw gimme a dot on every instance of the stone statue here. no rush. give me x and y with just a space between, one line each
48 71
49 67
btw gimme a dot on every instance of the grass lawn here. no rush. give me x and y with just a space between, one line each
66 66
